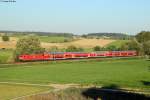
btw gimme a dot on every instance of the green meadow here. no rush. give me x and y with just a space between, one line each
130 73
54 39
118 43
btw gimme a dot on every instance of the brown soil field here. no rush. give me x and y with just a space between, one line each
84 43
8 45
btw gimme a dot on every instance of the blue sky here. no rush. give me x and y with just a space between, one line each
76 16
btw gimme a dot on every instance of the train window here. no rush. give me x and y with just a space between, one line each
130 53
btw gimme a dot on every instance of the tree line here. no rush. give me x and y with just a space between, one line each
19 33
109 35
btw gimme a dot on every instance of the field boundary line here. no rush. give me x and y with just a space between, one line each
27 84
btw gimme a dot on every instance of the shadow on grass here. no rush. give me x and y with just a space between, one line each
148 59
149 68
112 92
146 83
112 86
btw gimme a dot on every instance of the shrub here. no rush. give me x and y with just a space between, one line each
80 49
74 49
111 48
66 40
124 47
5 38
97 48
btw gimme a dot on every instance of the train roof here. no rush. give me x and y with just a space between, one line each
66 52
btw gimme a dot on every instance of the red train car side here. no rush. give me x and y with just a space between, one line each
74 55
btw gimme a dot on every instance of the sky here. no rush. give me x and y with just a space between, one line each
76 16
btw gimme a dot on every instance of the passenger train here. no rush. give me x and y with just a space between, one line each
75 55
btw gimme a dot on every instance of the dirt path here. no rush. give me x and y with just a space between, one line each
55 86
58 87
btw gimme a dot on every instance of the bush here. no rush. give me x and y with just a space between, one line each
97 48
66 40
5 38
54 49
74 49
28 45
80 49
112 48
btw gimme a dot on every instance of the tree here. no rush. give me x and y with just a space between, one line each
97 48
143 39
140 43
143 36
146 47
133 45
5 38
28 45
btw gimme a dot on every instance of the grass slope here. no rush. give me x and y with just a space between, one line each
8 91
125 73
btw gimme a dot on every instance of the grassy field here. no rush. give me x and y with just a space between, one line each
84 43
118 43
5 55
125 73
49 39
9 91
54 39
60 42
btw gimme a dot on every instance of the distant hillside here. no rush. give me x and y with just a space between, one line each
37 33
109 35
103 35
